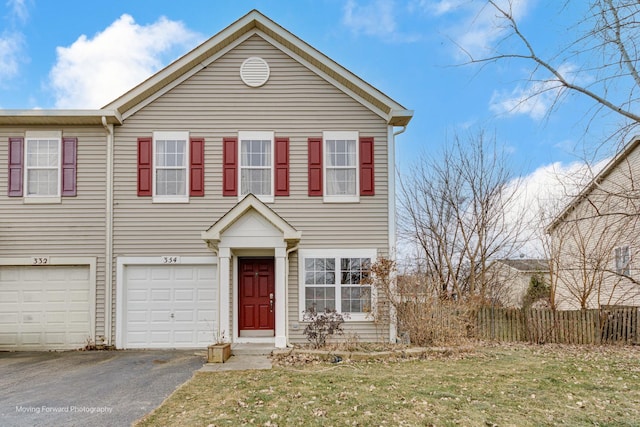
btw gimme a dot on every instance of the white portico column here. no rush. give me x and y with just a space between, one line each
281 315
224 257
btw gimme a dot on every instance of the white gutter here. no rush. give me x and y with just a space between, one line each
286 294
391 167
108 264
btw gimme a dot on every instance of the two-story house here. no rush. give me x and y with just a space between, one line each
595 238
250 179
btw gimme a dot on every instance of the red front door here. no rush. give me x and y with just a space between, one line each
256 315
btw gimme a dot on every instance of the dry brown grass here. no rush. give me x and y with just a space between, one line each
505 385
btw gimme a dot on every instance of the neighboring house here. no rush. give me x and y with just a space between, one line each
595 239
245 182
510 278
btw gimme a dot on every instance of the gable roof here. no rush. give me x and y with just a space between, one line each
594 183
250 202
526 265
256 23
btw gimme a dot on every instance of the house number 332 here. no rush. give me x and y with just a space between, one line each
170 259
42 260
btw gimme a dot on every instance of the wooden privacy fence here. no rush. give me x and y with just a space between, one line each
598 326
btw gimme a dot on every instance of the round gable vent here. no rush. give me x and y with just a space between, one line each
254 71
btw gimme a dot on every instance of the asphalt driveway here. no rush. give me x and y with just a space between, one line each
97 388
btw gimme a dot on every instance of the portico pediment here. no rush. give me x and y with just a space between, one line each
251 219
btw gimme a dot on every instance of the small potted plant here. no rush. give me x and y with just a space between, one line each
220 350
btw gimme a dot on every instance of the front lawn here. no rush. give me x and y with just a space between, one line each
491 385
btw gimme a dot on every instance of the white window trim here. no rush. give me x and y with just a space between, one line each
334 253
270 135
331 135
34 135
177 135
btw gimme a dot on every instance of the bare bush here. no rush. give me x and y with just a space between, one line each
423 318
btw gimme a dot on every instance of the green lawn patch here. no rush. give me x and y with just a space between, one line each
494 385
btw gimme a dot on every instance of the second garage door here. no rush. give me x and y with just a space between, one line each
170 306
45 307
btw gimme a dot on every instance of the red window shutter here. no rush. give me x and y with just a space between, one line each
282 167
367 176
15 167
196 167
145 166
69 155
315 166
230 166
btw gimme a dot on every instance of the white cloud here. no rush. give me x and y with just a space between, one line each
483 28
377 19
12 41
94 71
373 19
534 99
19 9
544 193
10 53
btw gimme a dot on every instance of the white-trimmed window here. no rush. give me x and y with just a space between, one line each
43 154
622 260
256 164
341 177
333 279
171 166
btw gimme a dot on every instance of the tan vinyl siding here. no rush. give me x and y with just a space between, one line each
607 218
227 106
73 228
214 103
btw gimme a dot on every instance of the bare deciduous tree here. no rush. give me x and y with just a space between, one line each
460 209
600 63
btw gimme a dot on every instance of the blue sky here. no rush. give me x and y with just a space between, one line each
77 54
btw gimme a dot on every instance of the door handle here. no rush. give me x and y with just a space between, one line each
271 301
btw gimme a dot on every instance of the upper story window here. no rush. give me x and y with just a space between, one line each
622 260
171 165
43 154
341 178
256 164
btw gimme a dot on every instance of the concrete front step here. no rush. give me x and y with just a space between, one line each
247 349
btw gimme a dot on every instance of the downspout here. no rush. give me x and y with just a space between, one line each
109 235
286 286
391 167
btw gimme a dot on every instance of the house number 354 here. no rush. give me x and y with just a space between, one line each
170 259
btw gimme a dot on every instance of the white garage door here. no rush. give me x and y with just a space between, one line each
44 307
170 306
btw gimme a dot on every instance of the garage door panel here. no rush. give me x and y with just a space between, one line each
161 273
8 338
174 313
184 295
160 295
209 295
184 316
137 295
207 316
44 307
